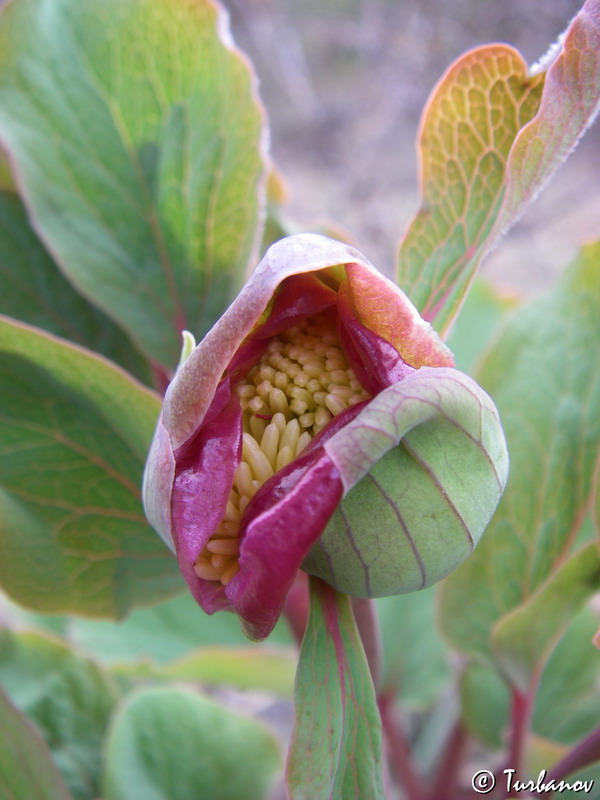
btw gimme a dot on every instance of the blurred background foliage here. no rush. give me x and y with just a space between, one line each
344 83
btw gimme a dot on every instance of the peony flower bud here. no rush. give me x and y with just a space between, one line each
319 424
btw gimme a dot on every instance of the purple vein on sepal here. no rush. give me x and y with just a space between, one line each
434 479
477 442
357 550
404 526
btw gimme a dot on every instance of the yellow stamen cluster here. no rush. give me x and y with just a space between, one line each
299 384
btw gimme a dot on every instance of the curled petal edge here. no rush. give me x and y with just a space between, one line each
184 407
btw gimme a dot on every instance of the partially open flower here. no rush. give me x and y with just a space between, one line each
298 429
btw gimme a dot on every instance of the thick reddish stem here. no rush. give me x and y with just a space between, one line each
399 751
296 607
521 710
586 752
445 786
367 622
161 377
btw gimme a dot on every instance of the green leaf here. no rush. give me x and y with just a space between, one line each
485 704
67 696
570 102
478 324
337 721
544 375
35 291
492 134
596 497
523 639
263 668
568 697
468 127
26 767
243 667
74 430
415 660
162 633
566 701
137 137
175 744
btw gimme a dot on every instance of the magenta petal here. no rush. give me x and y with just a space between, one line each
284 525
200 493
376 363
298 297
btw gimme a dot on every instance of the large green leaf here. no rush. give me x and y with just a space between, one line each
415 660
478 323
568 698
544 375
35 291
175 744
485 704
67 696
252 667
523 639
74 430
337 721
491 135
245 668
467 129
164 632
566 701
136 136
26 767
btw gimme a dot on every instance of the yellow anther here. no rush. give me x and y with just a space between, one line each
307 420
256 459
335 404
284 457
256 405
225 547
292 393
230 572
278 400
281 380
290 435
263 388
269 443
257 427
303 440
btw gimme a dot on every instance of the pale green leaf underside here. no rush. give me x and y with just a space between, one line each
467 130
523 639
74 430
35 291
26 767
544 374
67 696
491 136
136 137
566 701
176 744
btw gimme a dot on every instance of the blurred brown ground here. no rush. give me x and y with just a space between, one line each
344 82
